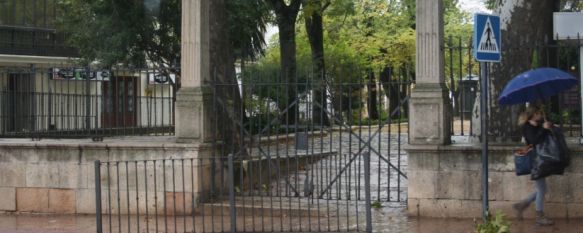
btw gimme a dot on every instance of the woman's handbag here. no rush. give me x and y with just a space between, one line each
552 158
523 160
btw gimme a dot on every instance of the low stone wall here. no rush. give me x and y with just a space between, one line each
445 181
58 176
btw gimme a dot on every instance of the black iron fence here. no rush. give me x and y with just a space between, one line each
279 163
462 79
71 102
32 41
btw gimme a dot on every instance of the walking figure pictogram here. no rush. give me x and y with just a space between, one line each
488 36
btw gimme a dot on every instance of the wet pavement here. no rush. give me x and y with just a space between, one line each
396 224
341 176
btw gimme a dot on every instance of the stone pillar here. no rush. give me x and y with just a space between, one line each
194 100
430 122
430 113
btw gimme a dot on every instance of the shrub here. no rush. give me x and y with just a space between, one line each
496 224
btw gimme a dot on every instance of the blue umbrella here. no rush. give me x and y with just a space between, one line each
535 85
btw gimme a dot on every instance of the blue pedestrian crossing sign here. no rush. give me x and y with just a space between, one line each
487 38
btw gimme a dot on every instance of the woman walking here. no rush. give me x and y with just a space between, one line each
535 129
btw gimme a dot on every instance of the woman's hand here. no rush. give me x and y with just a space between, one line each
547 125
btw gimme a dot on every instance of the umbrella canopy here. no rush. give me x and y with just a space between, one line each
535 85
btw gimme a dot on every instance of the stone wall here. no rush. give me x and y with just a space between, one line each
58 177
445 181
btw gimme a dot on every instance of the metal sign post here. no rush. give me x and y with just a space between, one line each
484 129
487 48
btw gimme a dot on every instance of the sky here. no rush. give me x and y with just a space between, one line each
472 6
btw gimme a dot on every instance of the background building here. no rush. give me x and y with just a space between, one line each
44 91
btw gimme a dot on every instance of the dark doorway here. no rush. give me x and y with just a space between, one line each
20 102
120 102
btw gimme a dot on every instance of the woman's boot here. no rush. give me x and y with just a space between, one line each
519 208
541 220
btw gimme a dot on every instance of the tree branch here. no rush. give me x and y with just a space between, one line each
295 5
326 5
277 5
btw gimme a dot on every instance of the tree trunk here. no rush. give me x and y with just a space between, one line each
222 65
523 24
286 21
391 89
372 103
315 31
288 69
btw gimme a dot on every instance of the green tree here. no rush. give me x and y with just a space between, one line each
123 32
382 34
286 18
363 41
313 17
137 33
248 22
313 13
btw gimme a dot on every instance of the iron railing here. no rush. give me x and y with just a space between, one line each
28 27
462 78
266 174
29 13
72 102
31 41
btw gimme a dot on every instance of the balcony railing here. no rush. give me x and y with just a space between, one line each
31 41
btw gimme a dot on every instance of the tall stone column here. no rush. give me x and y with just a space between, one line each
194 100
429 120
430 114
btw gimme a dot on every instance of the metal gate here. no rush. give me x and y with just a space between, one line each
287 158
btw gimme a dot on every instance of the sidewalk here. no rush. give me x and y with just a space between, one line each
86 224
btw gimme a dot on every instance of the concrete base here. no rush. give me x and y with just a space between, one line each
430 110
445 181
193 115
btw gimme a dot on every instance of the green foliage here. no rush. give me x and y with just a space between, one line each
535 60
359 37
458 31
248 20
494 224
381 121
369 35
491 4
114 32
376 205
566 117
135 33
